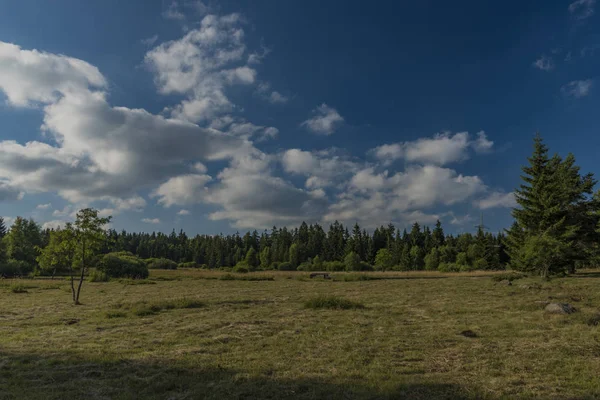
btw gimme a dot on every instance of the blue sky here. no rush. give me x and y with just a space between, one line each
222 116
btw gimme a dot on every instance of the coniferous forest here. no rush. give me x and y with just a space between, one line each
555 230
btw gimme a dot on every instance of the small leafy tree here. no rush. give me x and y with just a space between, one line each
432 260
59 254
265 258
251 259
352 262
88 236
383 260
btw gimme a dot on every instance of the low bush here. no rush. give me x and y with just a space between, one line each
14 268
334 266
353 277
446 267
508 276
241 268
119 265
286 266
18 288
98 276
332 302
191 264
227 277
160 263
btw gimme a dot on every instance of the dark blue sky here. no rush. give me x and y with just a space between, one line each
396 72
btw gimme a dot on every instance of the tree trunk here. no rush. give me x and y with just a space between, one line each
73 286
82 274
53 273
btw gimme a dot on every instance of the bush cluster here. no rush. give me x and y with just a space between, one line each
123 265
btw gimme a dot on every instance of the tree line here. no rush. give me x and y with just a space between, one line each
556 230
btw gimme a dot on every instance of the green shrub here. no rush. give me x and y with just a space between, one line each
160 263
332 302
18 288
241 268
119 265
481 264
13 268
306 266
509 276
98 276
190 264
227 277
334 266
286 266
275 265
446 267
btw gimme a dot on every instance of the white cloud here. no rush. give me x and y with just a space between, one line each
482 144
54 224
43 206
544 63
277 98
8 221
376 198
496 199
325 122
180 190
441 149
30 76
151 220
582 9
577 89
460 220
322 168
183 212
202 65
173 12
150 40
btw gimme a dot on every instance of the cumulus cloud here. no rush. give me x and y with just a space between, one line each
544 63
577 89
54 224
43 206
376 197
441 149
497 199
30 76
582 9
202 65
321 168
180 190
95 152
326 121
151 220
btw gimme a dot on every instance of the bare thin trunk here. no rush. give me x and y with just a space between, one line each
53 273
73 286
82 275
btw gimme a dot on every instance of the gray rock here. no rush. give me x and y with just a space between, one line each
506 282
560 308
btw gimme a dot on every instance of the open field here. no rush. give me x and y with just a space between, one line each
192 335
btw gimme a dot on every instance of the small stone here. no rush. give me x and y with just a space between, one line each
560 308
506 282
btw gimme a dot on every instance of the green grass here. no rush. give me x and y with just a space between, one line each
18 288
332 302
420 336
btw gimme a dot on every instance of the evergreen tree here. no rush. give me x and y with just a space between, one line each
553 204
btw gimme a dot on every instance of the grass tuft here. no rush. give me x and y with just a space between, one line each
508 276
18 288
332 302
115 314
136 282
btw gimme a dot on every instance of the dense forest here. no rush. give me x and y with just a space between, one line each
556 229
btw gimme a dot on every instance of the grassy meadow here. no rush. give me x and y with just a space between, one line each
190 334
